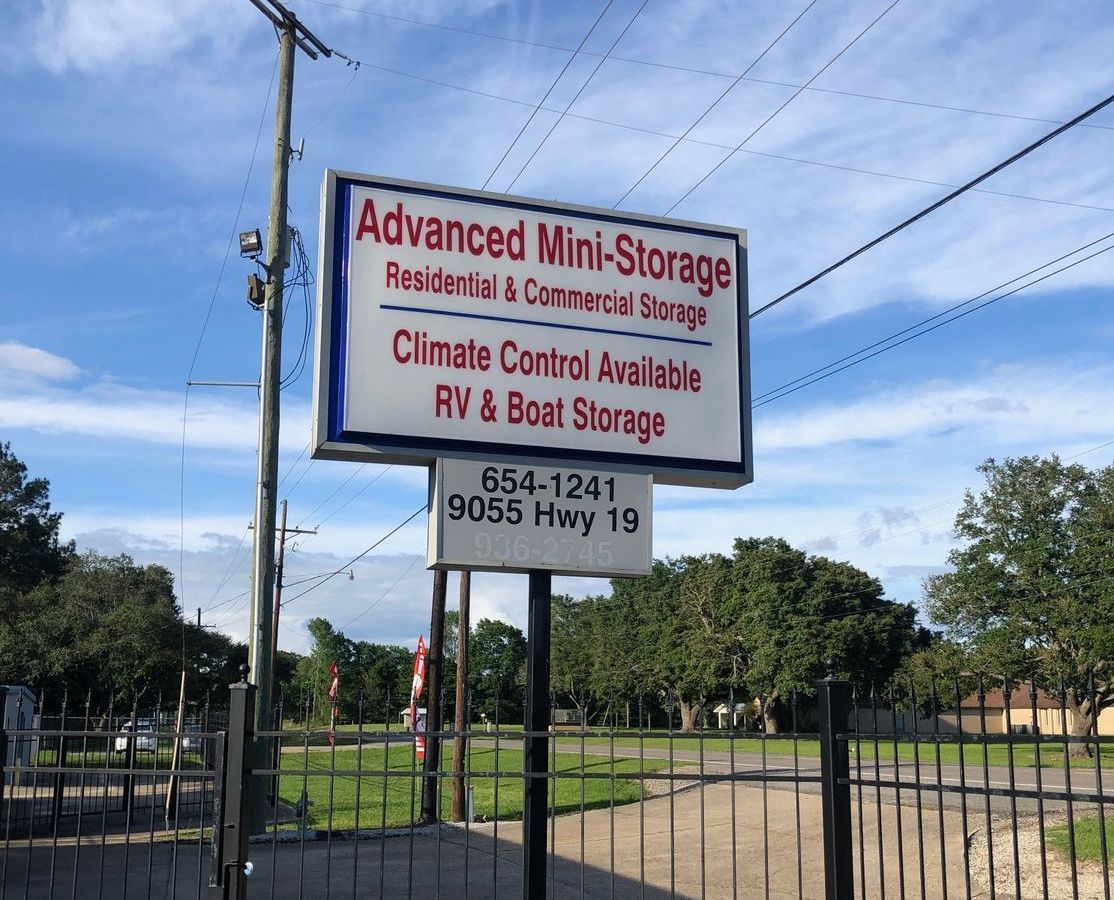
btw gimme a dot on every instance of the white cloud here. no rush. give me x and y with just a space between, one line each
89 35
20 361
1010 402
113 410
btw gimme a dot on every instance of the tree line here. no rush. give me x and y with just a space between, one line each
1028 592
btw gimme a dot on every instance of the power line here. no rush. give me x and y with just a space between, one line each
351 499
714 73
793 97
727 90
638 129
201 337
442 27
343 485
560 74
912 180
228 572
932 328
360 556
576 96
305 471
378 599
993 170
293 465
931 319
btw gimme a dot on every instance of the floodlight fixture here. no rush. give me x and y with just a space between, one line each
251 243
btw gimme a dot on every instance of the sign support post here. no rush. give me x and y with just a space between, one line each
435 679
559 361
536 752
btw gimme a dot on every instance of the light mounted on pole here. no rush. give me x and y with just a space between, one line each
251 244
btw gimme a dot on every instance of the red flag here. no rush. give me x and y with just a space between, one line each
416 687
333 688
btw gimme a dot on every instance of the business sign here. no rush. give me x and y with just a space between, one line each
526 517
454 323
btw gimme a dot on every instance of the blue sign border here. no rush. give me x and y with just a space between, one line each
407 444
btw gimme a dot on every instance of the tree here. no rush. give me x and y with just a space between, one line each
107 625
764 620
659 634
1031 590
576 650
213 661
385 672
329 646
794 611
30 552
497 669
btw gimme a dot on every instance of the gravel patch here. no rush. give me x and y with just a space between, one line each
1090 876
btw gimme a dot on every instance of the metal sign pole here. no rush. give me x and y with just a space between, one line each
536 755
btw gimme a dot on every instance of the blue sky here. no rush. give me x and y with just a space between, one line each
130 127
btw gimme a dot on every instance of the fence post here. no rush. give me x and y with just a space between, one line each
835 772
4 775
231 868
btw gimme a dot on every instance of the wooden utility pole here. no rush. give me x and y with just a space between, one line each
263 538
291 33
173 786
435 667
461 723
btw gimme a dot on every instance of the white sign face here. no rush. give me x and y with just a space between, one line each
523 517
452 323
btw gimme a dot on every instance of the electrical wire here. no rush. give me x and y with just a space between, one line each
774 114
993 170
360 556
378 599
576 96
351 499
931 319
343 485
302 278
232 237
556 80
932 328
727 90
702 142
292 466
693 70
227 572
305 471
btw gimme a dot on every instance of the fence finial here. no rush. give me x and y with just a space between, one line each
831 664
244 669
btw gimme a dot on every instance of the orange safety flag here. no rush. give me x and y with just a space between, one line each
416 687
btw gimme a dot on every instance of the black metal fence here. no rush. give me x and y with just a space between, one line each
980 793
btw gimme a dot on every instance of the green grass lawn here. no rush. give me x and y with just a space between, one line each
95 759
1024 754
333 798
1088 838
998 754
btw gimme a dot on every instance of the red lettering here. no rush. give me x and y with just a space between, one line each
723 272
401 357
369 224
475 239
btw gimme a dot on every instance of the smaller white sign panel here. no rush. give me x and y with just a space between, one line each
494 517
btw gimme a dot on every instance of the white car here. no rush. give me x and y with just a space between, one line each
144 740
